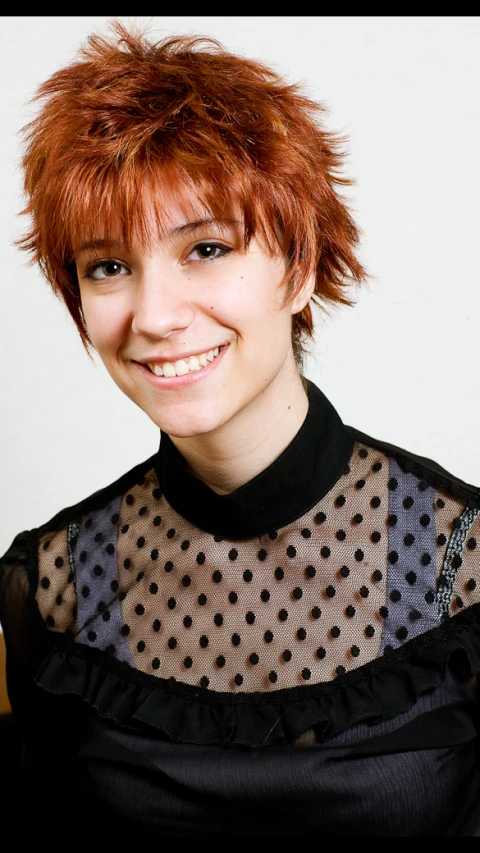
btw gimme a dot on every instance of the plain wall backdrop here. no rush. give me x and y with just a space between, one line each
402 365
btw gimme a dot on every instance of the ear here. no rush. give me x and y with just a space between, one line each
302 298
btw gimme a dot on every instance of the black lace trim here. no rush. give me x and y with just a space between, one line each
376 691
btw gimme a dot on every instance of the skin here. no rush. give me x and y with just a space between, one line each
175 296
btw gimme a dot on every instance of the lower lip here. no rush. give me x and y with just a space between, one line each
170 382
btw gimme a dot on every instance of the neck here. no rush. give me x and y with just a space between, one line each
236 452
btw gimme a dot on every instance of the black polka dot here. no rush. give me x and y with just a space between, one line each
203 641
283 615
320 653
262 554
287 655
369 630
187 662
220 661
341 535
392 520
279 573
59 599
357 518
156 625
377 575
456 561
441 539
98 571
201 558
59 560
106 616
408 502
320 517
142 510
316 612
238 679
171 603
157 520
157 493
141 646
85 591
185 545
429 597
395 595
330 591
291 551
232 597
155 663
414 615
218 619
471 584
253 658
425 559
375 502
265 595
235 639
204 681
335 631
350 611
392 484
250 617
471 543
383 612
340 500
187 621
99 537
306 673
456 523
186 580
363 452
45 582
344 572
46 544
425 520
232 554
172 643
359 555
273 534
268 636
410 577
297 592
310 571
355 651
301 633
139 609
92 636
393 557
171 533
458 601
140 576
440 503
359 484
377 466
216 577
168 566
306 533
364 591
272 676
202 599
401 633
125 630
247 575
409 539
340 670
129 500
376 536
114 586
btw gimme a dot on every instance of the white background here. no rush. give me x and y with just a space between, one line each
402 365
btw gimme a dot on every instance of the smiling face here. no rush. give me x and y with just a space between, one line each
193 290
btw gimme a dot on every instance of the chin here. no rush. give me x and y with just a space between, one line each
188 427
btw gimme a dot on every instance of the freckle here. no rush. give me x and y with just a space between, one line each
289 407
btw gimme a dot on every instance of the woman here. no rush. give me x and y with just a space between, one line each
271 625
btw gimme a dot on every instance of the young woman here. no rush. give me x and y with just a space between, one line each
271 626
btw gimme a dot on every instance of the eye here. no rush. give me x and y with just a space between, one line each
209 251
101 270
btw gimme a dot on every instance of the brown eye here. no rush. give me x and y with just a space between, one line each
206 250
111 268
101 270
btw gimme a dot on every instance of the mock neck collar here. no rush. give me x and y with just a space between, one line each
306 470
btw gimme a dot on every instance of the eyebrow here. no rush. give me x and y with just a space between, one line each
188 228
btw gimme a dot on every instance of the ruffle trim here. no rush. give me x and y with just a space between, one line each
374 692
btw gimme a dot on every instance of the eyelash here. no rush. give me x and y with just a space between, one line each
222 252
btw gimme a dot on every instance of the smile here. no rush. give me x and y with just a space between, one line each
184 366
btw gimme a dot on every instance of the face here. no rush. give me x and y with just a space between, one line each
191 293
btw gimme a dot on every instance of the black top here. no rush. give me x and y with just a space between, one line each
296 657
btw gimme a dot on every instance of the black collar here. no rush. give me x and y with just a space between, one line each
306 470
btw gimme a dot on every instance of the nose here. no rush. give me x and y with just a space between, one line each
160 307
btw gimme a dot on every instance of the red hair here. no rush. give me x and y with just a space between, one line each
130 113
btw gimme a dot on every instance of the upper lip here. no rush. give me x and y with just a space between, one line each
173 358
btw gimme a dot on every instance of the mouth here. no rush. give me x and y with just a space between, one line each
191 370
184 365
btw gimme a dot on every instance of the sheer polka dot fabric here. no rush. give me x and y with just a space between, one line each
357 575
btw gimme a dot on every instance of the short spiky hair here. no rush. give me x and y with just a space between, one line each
131 113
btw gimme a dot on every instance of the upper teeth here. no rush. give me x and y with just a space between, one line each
184 365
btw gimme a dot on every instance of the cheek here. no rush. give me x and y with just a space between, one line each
104 321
